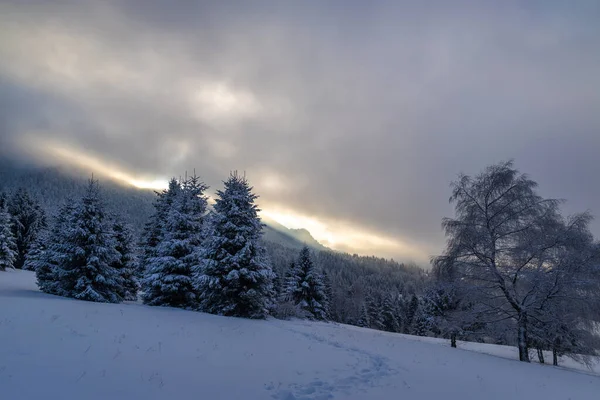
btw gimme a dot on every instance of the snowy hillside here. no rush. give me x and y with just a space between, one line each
57 348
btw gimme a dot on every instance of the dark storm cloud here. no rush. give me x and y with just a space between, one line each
365 110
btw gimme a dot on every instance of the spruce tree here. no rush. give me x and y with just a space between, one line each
52 250
8 254
168 280
375 312
127 262
363 320
278 286
85 262
328 295
308 291
235 278
36 251
421 323
154 229
411 312
290 282
28 219
390 321
3 200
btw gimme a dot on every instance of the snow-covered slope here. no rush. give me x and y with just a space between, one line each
56 348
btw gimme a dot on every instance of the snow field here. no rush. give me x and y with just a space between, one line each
57 348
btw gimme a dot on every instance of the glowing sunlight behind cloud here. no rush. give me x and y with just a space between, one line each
343 236
217 101
337 235
69 156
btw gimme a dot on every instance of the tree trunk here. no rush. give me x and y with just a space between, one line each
453 340
554 356
540 353
522 338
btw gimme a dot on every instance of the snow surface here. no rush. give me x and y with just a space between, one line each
57 348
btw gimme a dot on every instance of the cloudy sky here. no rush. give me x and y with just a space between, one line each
349 117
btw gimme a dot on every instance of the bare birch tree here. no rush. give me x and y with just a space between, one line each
513 249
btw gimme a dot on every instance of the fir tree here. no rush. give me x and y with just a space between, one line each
363 320
127 263
28 221
411 312
235 278
308 290
8 254
290 282
36 252
85 261
278 286
154 229
422 323
328 295
389 315
375 312
169 281
52 250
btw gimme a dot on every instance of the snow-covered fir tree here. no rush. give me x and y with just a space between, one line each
306 287
422 323
127 262
235 277
37 250
411 311
375 312
285 307
28 220
389 314
52 250
168 280
8 255
447 314
290 282
363 320
328 294
154 229
85 263
278 286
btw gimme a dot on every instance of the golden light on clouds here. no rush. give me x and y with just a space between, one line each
292 220
345 236
335 234
54 151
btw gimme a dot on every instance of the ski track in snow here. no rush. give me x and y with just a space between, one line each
374 368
